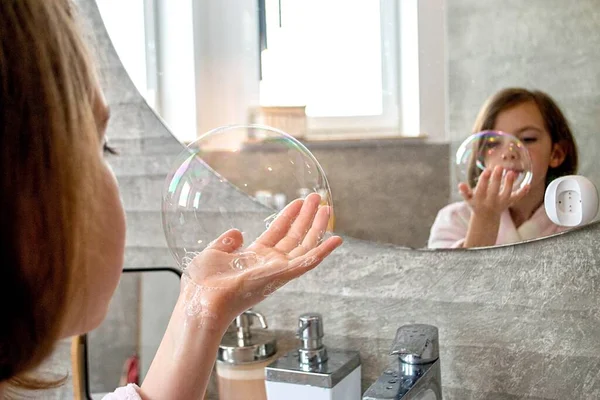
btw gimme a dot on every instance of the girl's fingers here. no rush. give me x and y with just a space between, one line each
495 181
465 192
482 184
315 234
300 265
507 187
293 268
519 194
281 225
301 225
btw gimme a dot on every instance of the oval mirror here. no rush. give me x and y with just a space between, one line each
382 92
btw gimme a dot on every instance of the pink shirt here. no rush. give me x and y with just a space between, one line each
449 229
129 392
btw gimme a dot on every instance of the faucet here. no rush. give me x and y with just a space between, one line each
415 373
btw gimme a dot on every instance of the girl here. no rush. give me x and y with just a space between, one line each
62 225
493 214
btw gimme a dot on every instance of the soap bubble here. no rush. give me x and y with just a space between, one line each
238 177
488 149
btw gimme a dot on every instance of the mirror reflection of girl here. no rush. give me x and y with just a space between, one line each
62 225
492 213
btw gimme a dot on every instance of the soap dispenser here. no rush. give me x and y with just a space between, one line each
243 355
313 371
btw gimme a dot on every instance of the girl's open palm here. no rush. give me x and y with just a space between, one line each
223 278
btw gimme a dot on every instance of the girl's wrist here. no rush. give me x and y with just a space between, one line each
486 215
482 231
183 363
195 312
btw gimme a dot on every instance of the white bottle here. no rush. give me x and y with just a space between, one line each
313 371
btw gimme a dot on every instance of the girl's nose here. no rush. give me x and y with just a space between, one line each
509 155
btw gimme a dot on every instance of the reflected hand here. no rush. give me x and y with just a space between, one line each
221 282
491 196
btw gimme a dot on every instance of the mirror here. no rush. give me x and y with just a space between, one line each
121 349
384 107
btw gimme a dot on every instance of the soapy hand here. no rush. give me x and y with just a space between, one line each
491 196
223 281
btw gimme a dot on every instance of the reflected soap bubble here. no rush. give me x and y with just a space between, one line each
488 149
238 177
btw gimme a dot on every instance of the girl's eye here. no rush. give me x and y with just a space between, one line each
490 144
528 139
108 150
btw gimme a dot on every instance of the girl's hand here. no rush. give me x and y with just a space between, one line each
491 196
221 282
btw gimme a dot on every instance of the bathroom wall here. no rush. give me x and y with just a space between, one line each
549 45
518 322
387 191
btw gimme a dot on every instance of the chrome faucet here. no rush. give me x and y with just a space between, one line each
415 373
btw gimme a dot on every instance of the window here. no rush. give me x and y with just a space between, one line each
126 24
362 68
339 58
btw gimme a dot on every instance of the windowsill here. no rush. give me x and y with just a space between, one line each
355 140
348 140
344 141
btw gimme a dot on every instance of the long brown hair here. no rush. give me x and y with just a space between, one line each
48 143
554 119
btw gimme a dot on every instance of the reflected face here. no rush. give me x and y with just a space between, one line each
526 123
105 246
503 151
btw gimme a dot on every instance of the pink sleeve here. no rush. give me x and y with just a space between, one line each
129 392
449 229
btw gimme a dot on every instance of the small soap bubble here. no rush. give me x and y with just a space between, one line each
488 149
236 177
246 260
269 220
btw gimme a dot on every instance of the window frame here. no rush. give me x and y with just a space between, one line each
387 123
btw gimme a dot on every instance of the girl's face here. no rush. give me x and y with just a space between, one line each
526 123
104 249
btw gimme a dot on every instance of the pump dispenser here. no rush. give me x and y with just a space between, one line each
313 371
243 355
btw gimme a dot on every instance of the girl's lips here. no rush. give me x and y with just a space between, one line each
518 173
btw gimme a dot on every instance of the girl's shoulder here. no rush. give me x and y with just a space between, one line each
459 209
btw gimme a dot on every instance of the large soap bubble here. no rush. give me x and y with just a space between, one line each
236 177
489 149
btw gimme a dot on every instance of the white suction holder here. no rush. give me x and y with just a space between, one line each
571 201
